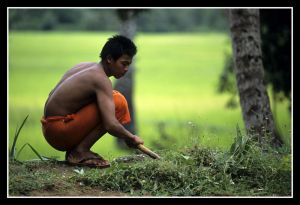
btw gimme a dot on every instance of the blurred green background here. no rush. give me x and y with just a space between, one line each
176 78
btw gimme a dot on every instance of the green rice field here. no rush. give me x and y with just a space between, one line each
175 85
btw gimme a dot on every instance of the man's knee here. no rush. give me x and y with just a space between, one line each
121 107
120 101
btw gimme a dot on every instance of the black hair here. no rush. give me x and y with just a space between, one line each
117 46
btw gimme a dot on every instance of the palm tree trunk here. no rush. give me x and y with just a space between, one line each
249 71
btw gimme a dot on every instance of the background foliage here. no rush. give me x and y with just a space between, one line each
150 20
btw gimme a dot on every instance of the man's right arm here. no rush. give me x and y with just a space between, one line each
103 90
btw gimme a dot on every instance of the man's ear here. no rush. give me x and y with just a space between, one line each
109 59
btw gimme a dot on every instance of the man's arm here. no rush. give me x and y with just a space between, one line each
106 106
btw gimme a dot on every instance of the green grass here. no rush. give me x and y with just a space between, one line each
243 170
176 79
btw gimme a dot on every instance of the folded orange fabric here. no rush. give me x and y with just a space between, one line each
64 132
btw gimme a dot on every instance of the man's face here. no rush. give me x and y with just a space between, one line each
120 66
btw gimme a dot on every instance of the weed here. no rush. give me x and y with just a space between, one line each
13 148
13 155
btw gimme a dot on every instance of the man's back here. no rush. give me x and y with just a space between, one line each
74 90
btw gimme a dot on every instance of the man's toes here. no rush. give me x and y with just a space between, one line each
104 163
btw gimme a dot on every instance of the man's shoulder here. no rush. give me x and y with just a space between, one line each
97 77
96 71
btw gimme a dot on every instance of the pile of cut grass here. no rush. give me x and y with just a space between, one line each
192 171
245 170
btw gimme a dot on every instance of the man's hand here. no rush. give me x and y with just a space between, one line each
134 142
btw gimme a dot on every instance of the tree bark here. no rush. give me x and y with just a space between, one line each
125 85
249 71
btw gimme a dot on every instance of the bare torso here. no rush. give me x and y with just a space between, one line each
86 83
74 90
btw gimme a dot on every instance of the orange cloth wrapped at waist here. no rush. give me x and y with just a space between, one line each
65 132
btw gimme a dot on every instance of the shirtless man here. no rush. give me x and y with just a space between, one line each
83 106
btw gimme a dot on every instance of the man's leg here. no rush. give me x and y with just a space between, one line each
82 150
90 115
91 139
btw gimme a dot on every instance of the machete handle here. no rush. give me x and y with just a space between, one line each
148 151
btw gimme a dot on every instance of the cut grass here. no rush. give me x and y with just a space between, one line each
245 170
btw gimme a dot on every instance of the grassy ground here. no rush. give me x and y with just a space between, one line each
244 170
176 80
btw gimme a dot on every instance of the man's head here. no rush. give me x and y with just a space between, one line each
117 46
117 54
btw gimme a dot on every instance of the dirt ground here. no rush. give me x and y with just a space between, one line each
78 192
60 187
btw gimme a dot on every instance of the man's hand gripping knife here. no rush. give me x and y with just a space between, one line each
141 147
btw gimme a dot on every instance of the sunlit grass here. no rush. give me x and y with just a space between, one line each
176 78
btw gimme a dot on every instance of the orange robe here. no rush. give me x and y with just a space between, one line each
65 132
